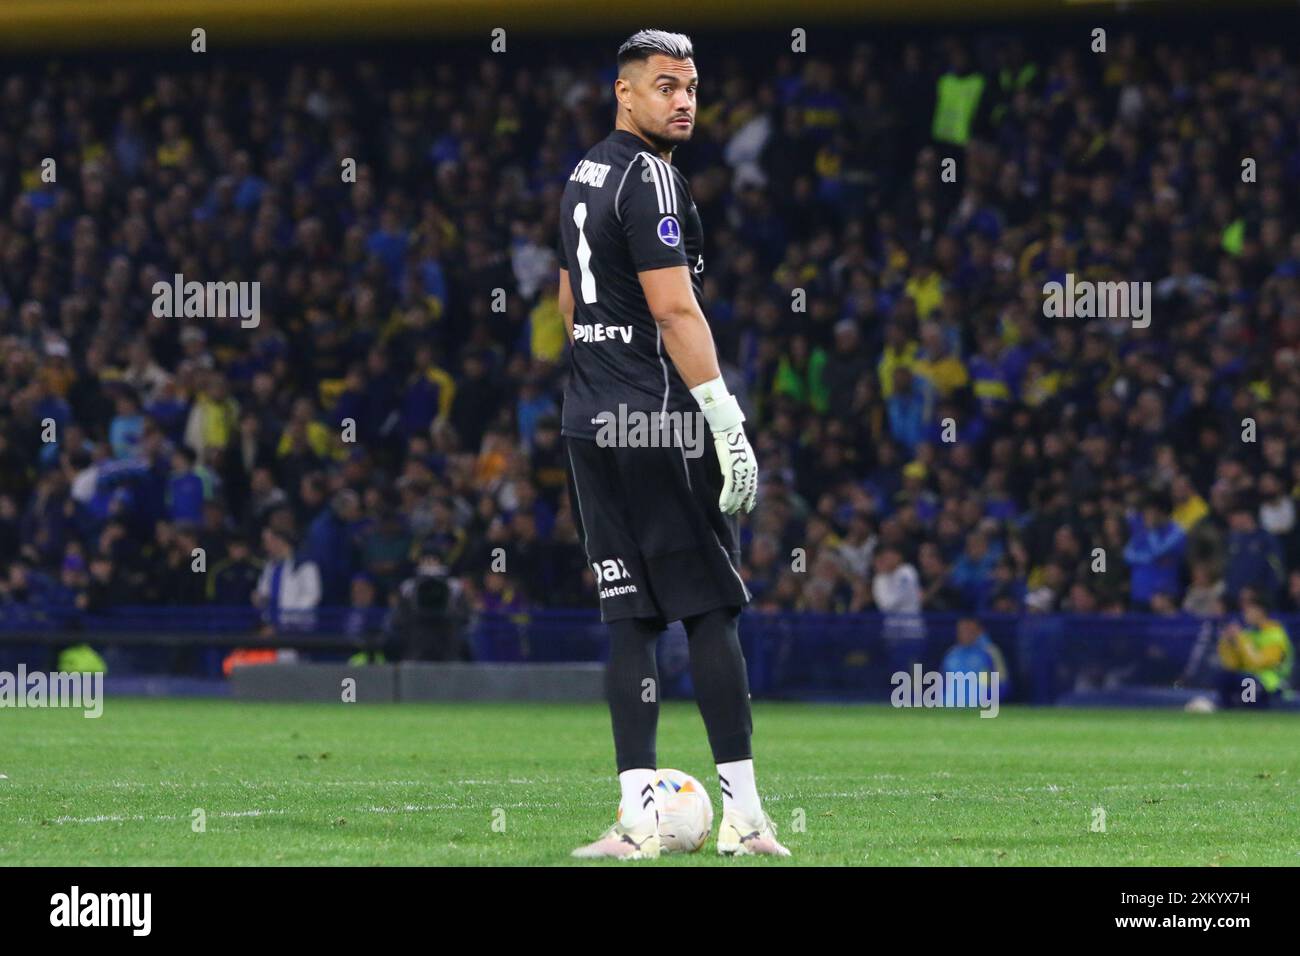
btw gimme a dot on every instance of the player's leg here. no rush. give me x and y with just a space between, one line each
600 515
690 554
722 693
632 689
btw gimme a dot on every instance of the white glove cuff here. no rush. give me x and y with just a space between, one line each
720 408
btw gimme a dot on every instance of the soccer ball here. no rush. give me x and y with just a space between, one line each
685 812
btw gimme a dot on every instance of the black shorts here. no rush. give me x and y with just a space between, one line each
655 538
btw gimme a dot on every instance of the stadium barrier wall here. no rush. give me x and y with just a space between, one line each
1050 658
321 683
418 681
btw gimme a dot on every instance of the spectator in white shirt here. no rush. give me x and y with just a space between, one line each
1277 513
896 590
289 590
859 546
896 587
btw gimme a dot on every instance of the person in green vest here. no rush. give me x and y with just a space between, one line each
957 100
800 375
1256 658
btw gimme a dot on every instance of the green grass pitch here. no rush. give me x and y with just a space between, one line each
418 784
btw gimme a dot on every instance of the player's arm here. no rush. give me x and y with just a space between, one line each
648 206
566 303
689 344
686 335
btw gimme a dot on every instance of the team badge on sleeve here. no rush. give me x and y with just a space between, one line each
670 233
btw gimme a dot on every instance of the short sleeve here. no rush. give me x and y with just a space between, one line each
559 251
649 207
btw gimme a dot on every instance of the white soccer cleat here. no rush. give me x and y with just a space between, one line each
621 843
740 837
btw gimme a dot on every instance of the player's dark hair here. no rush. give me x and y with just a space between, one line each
646 43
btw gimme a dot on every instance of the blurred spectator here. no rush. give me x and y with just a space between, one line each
331 546
974 653
1257 658
972 575
127 426
1154 553
896 587
1204 597
185 491
289 589
1254 558
908 409
232 581
364 622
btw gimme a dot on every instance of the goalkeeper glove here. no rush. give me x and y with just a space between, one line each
735 456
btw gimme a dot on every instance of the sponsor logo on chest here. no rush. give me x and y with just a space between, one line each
602 333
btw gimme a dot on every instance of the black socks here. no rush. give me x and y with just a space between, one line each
721 684
717 671
633 703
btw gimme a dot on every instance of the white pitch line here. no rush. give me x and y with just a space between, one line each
278 785
137 818
234 814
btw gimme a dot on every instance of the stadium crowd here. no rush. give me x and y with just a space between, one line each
928 436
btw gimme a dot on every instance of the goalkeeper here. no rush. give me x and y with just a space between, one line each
658 521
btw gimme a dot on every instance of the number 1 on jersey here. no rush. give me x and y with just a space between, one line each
584 255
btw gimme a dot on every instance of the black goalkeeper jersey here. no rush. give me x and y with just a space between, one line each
624 211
